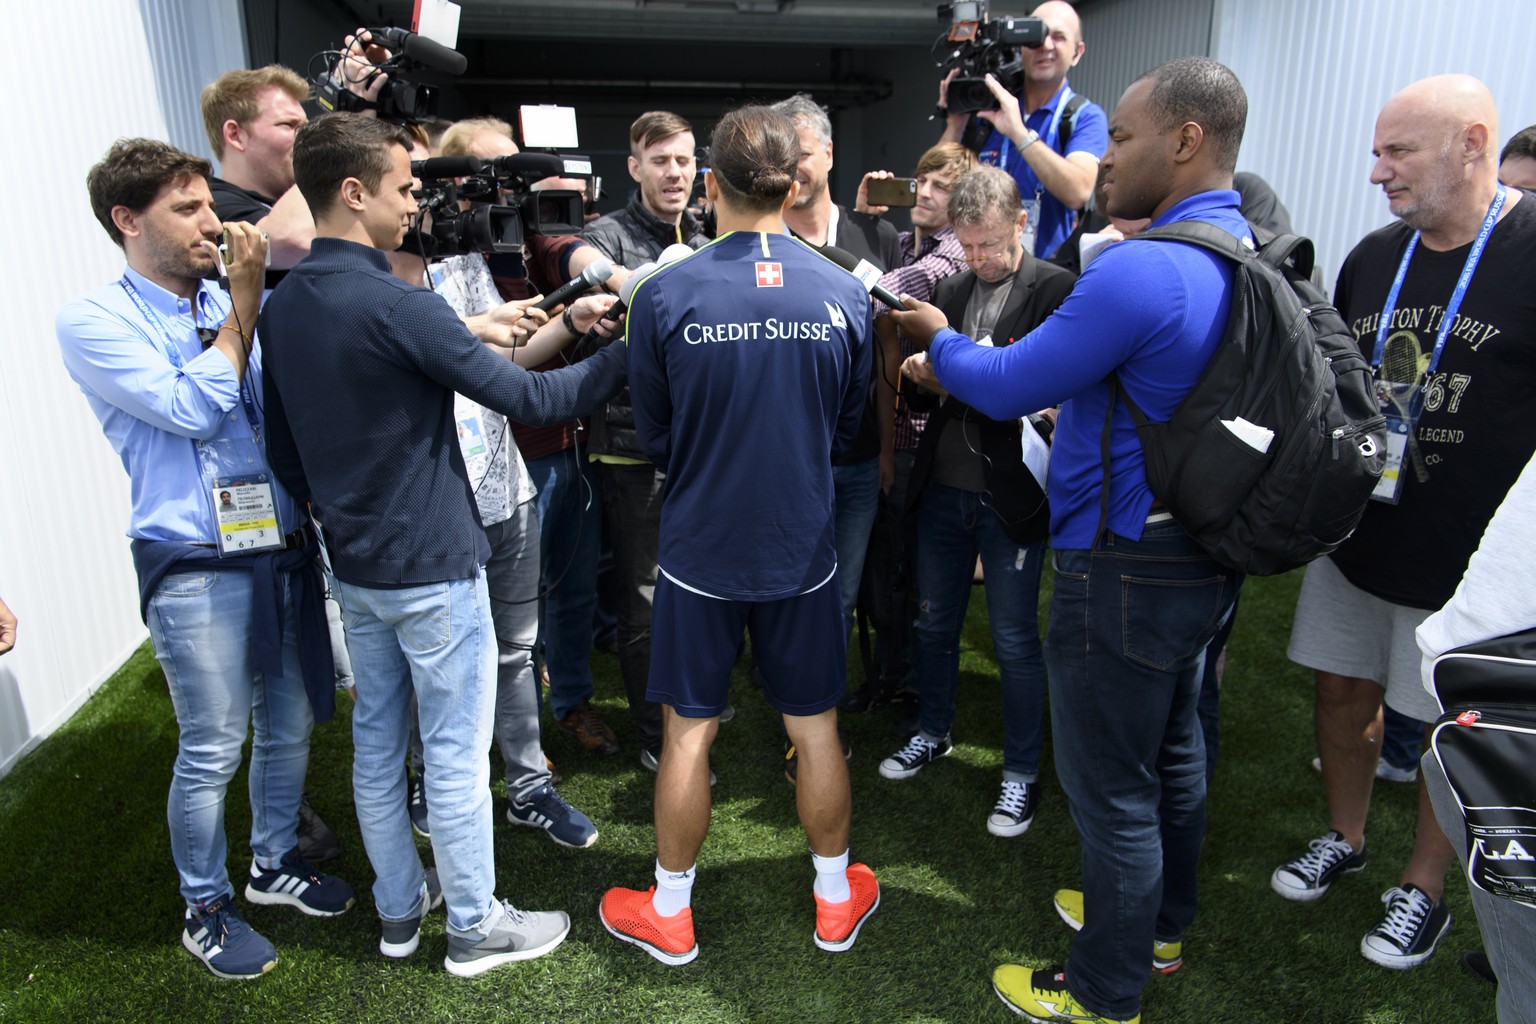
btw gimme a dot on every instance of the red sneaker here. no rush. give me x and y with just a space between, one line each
838 924
630 916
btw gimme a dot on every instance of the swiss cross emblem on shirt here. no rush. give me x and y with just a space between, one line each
770 275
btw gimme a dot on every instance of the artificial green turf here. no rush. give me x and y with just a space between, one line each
90 914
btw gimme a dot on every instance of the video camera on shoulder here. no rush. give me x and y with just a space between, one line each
403 100
978 46
503 205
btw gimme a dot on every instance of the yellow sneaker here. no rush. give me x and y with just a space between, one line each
1042 995
1167 957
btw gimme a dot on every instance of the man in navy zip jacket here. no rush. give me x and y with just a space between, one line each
1136 600
359 395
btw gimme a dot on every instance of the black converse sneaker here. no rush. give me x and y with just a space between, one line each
910 759
1307 877
1014 811
1406 937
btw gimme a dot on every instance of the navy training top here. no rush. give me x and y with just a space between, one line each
748 367
361 372
1152 311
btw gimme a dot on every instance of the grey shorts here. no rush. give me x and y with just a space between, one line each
1341 629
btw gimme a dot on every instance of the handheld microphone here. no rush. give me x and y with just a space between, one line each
421 49
446 167
675 251
596 273
868 274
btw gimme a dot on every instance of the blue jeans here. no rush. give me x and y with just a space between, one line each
437 641
570 531
855 500
953 528
1130 622
200 624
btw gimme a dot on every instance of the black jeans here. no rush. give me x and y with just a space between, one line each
632 516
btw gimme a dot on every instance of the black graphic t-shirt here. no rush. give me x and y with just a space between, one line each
1479 424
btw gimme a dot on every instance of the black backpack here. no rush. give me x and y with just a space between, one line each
1289 363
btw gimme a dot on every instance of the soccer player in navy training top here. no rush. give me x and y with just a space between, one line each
748 363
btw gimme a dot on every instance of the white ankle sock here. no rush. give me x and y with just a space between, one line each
832 877
674 890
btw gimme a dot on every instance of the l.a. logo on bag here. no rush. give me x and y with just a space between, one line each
1513 850
770 275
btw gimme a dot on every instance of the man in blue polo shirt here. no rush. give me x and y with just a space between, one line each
1048 137
1136 600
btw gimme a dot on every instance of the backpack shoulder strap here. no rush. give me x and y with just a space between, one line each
1069 119
1198 232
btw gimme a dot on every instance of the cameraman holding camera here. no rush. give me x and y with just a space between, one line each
1049 138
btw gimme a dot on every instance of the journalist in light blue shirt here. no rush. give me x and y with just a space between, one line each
153 411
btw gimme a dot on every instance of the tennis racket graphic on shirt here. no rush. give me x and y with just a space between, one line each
1402 367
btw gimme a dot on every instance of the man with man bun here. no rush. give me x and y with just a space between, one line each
752 326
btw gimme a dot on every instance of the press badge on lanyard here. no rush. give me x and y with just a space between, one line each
234 469
1400 383
1048 140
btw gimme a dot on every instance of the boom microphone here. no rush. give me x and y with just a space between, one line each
868 274
420 49
446 167
597 272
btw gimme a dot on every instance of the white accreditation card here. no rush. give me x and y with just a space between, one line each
246 511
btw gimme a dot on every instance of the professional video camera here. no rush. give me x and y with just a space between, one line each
503 204
978 46
402 100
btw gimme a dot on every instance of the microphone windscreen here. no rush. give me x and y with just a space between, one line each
675 251
446 167
627 289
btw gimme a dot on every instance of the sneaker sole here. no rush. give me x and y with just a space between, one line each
479 965
1301 894
1072 922
1009 831
193 948
514 819
282 899
670 959
398 950
1402 963
1016 1009
842 945
1166 966
897 773
425 833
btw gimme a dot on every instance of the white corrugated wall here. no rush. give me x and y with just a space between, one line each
85 75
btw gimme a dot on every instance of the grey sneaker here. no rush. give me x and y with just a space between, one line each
506 935
911 759
401 938
650 760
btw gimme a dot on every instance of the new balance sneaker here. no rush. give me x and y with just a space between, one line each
1308 877
506 936
1167 957
296 883
630 916
792 757
401 938
548 810
650 760
217 935
416 804
1042 995
1014 811
838 924
912 758
1406 937
590 730
317 842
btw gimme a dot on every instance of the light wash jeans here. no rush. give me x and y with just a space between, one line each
438 642
200 625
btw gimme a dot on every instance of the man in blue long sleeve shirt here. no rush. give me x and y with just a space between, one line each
167 363
360 393
1136 600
